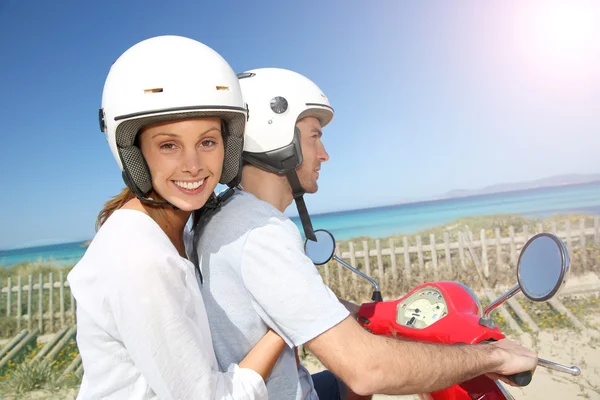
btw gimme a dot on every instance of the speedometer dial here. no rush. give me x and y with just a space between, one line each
421 309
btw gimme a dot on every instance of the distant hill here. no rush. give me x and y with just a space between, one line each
559 180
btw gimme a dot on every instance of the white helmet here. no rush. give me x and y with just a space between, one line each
169 78
277 99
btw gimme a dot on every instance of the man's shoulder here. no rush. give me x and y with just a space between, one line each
245 209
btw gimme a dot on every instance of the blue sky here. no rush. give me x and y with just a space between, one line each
429 96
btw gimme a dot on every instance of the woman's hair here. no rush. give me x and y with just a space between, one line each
112 205
119 201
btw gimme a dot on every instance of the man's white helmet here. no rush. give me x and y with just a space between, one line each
168 78
277 99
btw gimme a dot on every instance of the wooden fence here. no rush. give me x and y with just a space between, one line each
45 301
402 256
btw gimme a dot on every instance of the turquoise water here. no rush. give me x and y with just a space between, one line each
408 218
391 220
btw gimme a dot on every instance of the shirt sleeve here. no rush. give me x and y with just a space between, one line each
288 291
154 316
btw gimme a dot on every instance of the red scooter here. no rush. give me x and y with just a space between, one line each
449 312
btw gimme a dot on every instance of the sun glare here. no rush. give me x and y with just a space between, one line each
558 44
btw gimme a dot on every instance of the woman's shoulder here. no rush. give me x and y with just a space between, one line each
129 238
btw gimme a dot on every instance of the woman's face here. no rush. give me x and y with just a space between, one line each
185 159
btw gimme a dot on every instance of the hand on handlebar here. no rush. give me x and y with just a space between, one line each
513 359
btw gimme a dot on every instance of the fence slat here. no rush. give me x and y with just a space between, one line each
366 257
461 250
447 250
434 256
19 301
379 259
41 304
498 248
62 299
29 301
526 235
540 227
582 243
339 272
569 241
393 262
420 254
9 298
597 229
513 246
353 262
407 269
51 300
484 256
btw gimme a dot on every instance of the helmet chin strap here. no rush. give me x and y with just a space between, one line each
298 193
205 213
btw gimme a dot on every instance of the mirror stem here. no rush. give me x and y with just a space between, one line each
351 268
514 290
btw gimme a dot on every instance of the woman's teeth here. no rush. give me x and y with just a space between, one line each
189 185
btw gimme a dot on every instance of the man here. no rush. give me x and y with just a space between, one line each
255 270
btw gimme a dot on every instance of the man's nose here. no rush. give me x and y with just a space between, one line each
323 155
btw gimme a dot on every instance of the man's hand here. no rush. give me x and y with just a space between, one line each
513 358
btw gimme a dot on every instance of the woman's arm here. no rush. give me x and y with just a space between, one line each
264 355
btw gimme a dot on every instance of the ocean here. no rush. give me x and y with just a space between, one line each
390 220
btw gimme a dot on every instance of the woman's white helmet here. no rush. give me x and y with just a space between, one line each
278 98
169 78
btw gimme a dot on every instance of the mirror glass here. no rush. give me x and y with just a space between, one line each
321 251
542 267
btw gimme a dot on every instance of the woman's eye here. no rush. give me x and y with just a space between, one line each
208 143
167 146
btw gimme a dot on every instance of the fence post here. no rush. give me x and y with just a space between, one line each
597 229
484 256
526 232
342 289
540 227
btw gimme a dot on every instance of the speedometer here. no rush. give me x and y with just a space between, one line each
421 309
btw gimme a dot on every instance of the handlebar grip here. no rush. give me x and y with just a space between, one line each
521 379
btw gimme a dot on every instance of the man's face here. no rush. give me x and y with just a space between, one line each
313 153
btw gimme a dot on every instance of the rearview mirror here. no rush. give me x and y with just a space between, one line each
543 266
321 251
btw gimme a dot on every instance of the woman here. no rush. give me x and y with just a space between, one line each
174 119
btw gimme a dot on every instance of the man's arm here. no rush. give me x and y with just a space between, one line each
383 365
